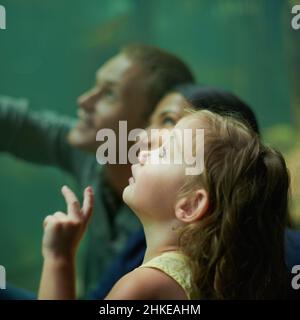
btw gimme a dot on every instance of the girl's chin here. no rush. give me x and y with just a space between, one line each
126 195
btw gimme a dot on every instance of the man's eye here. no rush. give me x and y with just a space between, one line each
109 93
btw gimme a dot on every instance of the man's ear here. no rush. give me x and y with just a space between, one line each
192 208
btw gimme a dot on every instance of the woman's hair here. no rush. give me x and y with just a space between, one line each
219 101
238 245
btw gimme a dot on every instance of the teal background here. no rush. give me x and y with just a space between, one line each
51 50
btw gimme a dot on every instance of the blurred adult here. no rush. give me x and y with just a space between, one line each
127 87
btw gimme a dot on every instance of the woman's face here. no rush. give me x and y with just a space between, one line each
167 113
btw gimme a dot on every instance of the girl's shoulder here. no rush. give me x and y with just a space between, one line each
146 284
178 267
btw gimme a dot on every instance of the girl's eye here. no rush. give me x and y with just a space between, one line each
162 152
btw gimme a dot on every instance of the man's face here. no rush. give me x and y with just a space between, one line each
119 94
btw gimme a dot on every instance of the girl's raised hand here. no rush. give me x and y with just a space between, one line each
63 231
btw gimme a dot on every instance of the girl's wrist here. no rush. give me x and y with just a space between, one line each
59 257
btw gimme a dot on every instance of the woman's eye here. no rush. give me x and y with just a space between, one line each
109 93
169 121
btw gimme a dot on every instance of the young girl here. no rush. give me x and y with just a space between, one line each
215 235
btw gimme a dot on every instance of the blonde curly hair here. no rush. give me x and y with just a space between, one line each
238 246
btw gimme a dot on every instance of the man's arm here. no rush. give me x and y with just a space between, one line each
38 137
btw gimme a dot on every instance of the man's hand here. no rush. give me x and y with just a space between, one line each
63 231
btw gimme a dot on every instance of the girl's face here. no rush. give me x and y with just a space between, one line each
157 178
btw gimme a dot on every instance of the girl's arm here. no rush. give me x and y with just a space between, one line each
58 279
62 234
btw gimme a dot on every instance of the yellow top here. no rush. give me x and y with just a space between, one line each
178 267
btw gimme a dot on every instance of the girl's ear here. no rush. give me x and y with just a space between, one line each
192 208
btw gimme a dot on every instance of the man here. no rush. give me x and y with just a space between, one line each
127 87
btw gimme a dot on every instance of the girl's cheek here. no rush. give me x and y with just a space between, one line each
147 178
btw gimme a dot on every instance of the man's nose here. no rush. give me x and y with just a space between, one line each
88 100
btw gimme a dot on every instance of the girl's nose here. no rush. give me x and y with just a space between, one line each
153 138
144 140
143 156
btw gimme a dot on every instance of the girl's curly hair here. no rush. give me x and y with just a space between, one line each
238 245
